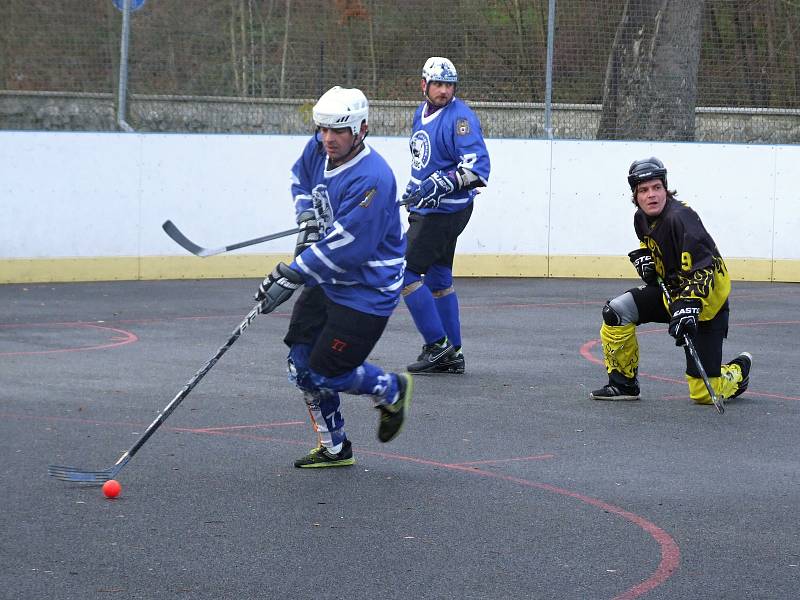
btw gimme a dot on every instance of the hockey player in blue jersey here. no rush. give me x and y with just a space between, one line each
448 162
350 258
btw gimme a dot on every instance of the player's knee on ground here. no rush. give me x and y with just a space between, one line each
698 391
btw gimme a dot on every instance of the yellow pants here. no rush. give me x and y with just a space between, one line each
620 348
621 354
725 386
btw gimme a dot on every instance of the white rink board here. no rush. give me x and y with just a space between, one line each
732 187
106 194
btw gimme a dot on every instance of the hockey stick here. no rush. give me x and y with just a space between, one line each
172 231
695 357
99 477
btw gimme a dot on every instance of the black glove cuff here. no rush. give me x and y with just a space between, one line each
285 271
635 255
687 306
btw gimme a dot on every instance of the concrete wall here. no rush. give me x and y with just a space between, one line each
89 206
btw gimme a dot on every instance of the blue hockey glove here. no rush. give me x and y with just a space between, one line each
430 192
277 287
645 265
685 316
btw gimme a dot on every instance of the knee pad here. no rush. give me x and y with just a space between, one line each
610 316
621 311
297 367
411 282
439 278
444 292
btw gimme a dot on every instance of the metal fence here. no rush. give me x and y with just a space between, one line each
713 70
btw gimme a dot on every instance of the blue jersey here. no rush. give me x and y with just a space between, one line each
449 138
306 173
361 260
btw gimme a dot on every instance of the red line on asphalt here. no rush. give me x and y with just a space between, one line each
124 338
236 427
503 460
670 553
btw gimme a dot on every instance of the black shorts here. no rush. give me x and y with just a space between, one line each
710 334
432 239
341 338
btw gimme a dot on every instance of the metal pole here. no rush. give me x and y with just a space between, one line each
548 92
122 93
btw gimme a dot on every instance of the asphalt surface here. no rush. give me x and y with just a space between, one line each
506 482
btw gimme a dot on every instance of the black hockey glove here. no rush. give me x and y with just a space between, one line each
645 265
277 287
685 316
310 230
430 192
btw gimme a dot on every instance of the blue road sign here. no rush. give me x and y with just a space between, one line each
135 4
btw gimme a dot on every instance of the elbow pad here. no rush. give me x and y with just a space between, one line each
466 179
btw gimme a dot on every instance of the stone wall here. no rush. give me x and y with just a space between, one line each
97 112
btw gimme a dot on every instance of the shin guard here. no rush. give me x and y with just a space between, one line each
326 418
620 349
439 279
447 307
420 303
323 405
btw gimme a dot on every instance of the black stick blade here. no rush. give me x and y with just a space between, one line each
79 475
172 231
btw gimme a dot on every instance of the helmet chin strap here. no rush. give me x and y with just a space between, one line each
357 142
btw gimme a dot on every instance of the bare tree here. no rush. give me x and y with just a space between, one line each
650 89
287 21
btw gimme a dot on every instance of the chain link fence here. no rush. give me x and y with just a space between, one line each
713 70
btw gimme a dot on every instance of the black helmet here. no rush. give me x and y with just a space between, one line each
645 170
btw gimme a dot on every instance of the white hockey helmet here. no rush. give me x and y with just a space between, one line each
341 107
438 68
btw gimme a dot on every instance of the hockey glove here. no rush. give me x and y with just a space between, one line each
643 262
430 192
685 316
310 230
277 287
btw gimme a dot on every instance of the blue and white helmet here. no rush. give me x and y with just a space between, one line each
438 68
341 107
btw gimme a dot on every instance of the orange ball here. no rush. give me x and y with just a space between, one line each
111 488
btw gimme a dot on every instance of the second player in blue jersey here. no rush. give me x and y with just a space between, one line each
449 162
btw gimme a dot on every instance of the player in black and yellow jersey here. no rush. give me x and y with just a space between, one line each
675 247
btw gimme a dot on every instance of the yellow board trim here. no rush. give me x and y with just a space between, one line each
127 268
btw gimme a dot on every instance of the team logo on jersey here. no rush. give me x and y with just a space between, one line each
368 198
420 145
462 127
322 204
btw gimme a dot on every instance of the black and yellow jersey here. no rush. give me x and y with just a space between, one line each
685 255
